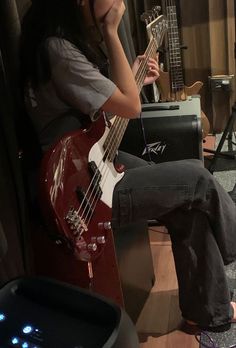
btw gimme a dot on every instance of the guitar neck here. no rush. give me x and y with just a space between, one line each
120 124
175 61
141 73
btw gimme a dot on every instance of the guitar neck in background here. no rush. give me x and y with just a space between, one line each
171 83
175 61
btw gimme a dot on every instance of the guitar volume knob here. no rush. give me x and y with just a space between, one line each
101 240
104 225
92 246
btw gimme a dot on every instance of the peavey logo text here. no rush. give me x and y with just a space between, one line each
157 148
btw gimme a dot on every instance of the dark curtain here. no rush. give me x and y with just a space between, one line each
13 206
15 251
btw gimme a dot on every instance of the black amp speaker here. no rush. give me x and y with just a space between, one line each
43 313
166 132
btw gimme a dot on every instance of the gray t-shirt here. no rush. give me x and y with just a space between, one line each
76 87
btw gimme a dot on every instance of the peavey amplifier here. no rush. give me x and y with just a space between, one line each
166 132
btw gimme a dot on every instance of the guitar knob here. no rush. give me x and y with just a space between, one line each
150 14
107 225
156 10
104 225
92 246
101 240
145 18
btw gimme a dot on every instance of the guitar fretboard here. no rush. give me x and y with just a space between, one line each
120 124
175 61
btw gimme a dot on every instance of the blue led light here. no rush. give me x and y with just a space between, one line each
2 317
14 340
25 345
27 329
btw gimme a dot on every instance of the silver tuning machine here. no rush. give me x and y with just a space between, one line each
156 10
149 15
145 18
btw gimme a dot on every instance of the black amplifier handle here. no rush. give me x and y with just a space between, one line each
147 107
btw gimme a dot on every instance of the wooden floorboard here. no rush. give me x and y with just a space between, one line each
160 322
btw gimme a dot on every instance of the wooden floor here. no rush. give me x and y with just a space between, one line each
159 324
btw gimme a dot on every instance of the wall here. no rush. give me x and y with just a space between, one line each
208 29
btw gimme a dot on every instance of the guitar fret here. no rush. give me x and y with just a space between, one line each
119 126
178 80
176 64
175 59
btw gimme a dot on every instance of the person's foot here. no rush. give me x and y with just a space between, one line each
233 319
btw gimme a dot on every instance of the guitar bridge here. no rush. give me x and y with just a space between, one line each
75 222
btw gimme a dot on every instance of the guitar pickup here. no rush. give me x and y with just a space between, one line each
95 174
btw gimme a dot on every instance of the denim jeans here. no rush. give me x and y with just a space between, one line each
201 220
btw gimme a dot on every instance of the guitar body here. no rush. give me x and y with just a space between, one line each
89 258
165 90
164 83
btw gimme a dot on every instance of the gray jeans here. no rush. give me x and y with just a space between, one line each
201 220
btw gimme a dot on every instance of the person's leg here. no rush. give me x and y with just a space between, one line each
179 194
130 161
204 296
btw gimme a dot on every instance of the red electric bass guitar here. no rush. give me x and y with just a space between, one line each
77 181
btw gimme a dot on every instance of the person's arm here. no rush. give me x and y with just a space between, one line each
125 101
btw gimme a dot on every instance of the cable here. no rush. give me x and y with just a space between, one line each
144 137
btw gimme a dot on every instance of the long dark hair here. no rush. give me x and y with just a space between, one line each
46 18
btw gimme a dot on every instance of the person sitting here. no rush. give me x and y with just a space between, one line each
64 79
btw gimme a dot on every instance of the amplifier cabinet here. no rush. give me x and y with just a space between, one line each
163 134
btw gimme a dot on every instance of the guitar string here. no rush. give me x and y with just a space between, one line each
139 77
170 37
161 35
176 72
123 122
142 72
120 136
98 189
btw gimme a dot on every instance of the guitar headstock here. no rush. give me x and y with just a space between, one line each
156 24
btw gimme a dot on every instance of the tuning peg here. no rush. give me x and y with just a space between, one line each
151 14
156 10
145 18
